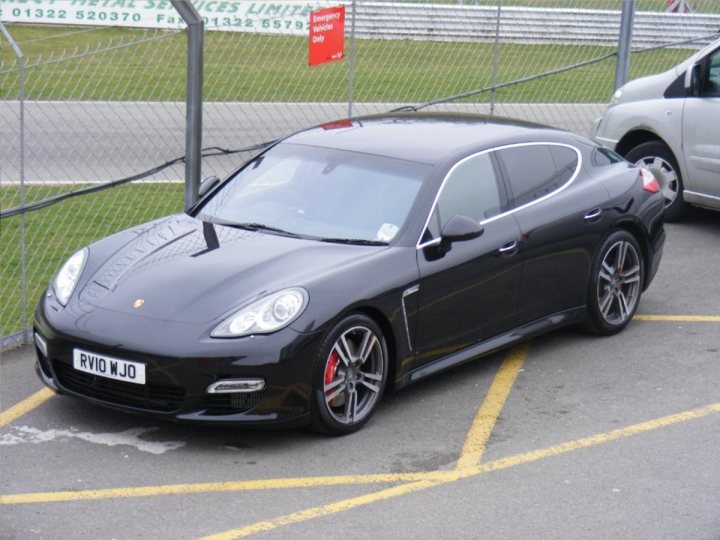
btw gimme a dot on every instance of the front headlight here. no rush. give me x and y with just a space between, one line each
266 315
66 279
616 96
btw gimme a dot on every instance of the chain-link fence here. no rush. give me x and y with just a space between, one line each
84 106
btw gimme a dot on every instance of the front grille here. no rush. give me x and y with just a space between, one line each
151 397
233 403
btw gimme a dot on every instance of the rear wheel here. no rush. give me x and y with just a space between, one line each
657 157
615 284
349 377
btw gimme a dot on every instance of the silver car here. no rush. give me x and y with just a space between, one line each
670 123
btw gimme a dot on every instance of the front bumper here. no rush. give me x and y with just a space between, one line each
180 368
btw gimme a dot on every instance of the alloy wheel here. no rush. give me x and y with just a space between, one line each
353 375
618 286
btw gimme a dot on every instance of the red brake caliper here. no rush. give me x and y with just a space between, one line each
331 367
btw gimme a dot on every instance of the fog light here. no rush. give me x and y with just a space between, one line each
41 344
229 386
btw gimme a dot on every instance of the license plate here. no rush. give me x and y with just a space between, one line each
107 366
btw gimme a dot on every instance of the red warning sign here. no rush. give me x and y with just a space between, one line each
327 35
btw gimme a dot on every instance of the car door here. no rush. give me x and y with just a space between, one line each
468 289
701 132
561 221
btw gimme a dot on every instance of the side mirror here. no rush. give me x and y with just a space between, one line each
692 80
458 229
207 184
461 228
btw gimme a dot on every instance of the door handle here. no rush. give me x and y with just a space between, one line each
508 248
593 215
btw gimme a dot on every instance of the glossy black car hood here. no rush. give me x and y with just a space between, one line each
184 270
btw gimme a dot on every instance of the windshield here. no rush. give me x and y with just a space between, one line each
333 195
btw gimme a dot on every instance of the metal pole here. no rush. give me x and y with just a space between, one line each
23 232
351 62
193 112
624 43
496 56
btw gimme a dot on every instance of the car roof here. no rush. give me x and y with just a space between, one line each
423 137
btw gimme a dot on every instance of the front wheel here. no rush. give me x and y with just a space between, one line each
349 376
615 284
657 157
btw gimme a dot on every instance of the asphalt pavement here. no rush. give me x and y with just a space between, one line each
570 437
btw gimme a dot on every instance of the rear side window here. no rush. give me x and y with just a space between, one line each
537 170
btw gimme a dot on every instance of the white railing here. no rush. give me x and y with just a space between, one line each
525 25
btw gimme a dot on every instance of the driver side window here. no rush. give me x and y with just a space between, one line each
711 86
471 190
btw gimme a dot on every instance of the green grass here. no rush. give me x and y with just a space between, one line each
244 67
55 233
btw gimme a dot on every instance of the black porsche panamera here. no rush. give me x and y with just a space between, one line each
349 258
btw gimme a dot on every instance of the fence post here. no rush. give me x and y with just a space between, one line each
624 43
23 241
351 62
193 113
496 56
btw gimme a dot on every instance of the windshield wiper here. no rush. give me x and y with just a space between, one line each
263 228
354 241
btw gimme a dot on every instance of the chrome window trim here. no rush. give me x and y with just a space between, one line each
405 294
433 242
436 241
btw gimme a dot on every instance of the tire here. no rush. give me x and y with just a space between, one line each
616 284
656 156
349 376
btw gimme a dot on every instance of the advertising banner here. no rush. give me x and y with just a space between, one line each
285 17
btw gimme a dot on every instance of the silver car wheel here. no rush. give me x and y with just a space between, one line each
353 375
666 175
618 285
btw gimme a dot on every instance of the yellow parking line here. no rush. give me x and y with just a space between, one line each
216 487
326 510
25 406
600 438
431 478
504 463
678 318
472 451
486 417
